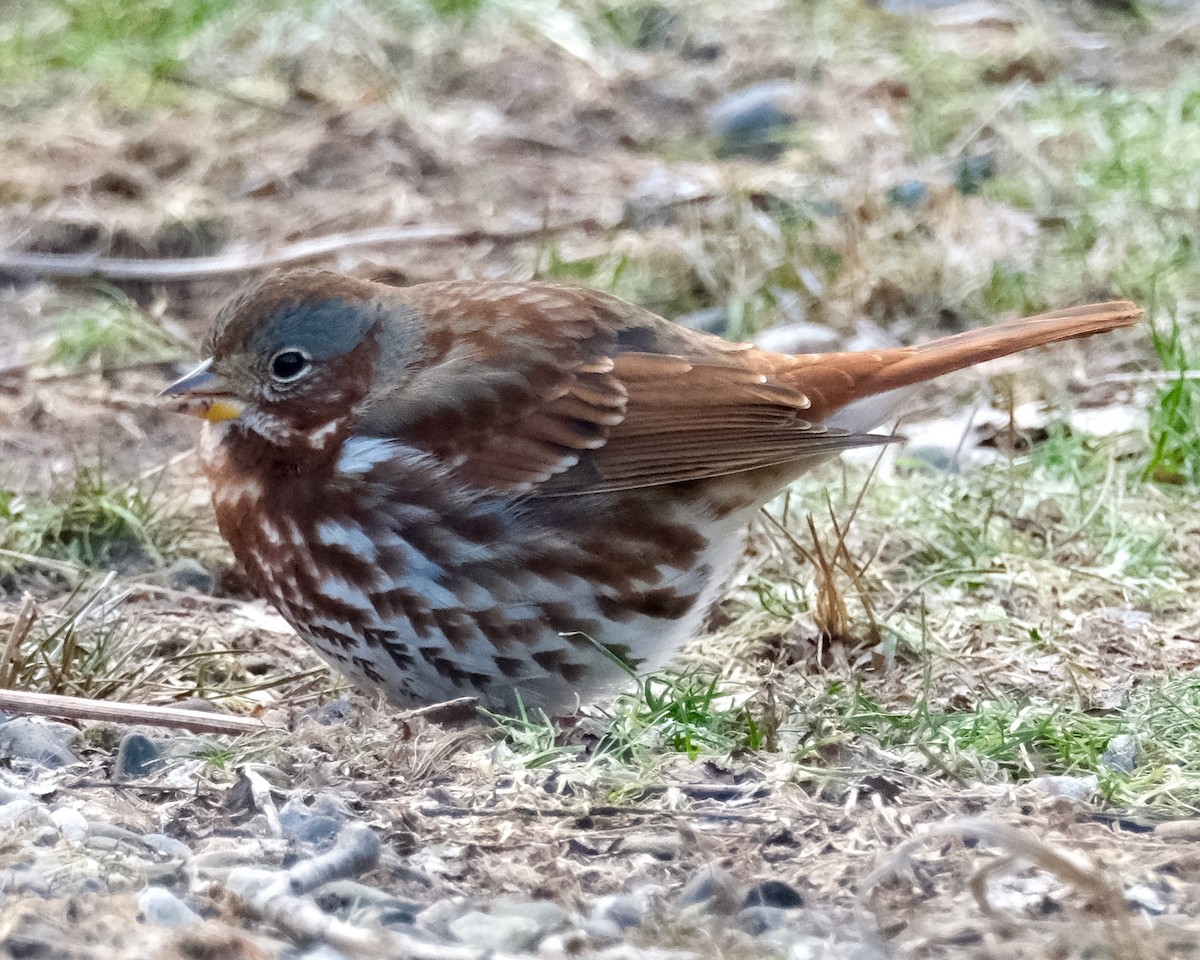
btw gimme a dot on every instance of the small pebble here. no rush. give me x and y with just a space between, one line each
137 756
45 837
1121 754
759 920
1073 788
164 909
44 743
625 910
23 815
972 171
603 929
713 887
160 843
661 846
316 831
318 823
189 574
775 893
751 122
910 194
507 934
71 824
1179 830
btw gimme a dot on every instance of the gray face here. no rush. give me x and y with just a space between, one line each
271 354
321 330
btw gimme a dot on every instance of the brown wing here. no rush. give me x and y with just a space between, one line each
549 389
553 390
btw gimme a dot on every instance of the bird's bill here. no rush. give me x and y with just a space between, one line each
204 394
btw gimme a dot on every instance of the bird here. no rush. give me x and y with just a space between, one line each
521 492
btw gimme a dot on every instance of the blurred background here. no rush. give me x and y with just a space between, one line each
915 166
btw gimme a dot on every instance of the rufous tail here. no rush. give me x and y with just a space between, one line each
832 380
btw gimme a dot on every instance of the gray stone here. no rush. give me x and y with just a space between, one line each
1073 788
603 929
972 171
8 795
759 920
137 756
1121 754
317 831
910 194
316 824
71 824
23 815
507 934
189 574
44 743
45 837
775 893
164 909
750 122
661 846
547 915
25 878
714 888
160 843
248 881
625 910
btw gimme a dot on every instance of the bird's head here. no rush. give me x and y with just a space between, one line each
291 359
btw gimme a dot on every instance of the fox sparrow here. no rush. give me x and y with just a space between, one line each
493 489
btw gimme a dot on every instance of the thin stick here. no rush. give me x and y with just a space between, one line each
250 259
108 711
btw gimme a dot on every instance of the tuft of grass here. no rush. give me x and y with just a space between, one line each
1017 739
1073 512
92 522
666 713
684 713
108 334
1175 413
110 38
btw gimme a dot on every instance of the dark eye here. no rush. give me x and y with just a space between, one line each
288 365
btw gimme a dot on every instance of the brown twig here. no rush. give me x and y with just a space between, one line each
109 711
251 259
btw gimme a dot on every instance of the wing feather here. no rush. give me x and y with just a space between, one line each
550 390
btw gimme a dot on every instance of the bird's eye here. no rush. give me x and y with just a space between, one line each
288 365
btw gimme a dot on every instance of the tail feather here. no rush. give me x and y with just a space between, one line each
833 380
